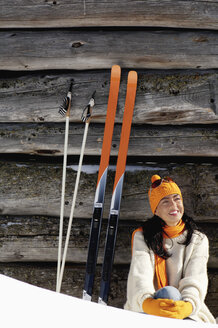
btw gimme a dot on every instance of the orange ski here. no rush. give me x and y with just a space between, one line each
117 189
101 183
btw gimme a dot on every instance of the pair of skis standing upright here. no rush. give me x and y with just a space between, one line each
117 188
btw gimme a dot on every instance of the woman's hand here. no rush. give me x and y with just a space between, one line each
157 306
178 309
167 308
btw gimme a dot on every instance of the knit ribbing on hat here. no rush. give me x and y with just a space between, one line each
164 189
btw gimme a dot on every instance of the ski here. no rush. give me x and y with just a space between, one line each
117 189
101 183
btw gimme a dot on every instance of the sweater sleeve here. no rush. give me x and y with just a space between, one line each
141 274
193 285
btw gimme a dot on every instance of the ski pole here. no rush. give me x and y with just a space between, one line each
86 117
64 110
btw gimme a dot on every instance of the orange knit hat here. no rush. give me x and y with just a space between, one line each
164 189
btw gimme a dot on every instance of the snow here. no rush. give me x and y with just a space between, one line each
91 169
24 305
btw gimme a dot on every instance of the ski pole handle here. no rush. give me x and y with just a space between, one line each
87 112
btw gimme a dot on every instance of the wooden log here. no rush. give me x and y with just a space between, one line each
192 14
35 189
73 283
163 97
48 140
22 50
35 239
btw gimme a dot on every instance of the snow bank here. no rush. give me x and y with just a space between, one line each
23 305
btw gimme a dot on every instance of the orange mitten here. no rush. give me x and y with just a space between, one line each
178 309
157 306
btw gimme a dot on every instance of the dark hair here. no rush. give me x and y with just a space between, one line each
153 234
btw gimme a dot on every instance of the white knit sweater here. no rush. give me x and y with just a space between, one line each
186 270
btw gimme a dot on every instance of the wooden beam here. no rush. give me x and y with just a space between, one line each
145 140
163 97
23 50
185 14
35 189
35 239
73 282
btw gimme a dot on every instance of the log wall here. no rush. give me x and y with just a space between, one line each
43 45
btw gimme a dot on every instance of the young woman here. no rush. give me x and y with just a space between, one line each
168 271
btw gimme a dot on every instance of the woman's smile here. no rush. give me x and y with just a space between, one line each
170 209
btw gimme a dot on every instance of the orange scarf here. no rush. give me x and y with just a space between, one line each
160 263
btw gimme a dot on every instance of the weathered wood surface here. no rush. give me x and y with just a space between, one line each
23 50
35 189
167 13
48 139
30 191
35 239
73 282
163 97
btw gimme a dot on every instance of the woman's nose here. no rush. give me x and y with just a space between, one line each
172 203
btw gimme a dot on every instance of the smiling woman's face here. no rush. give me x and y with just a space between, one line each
170 209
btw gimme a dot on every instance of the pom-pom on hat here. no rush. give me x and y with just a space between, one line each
161 189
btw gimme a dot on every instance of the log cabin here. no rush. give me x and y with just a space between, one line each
173 47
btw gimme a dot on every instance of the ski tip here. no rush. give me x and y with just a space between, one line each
132 77
115 72
116 68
